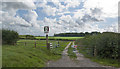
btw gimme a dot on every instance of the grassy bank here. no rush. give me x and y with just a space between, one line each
29 56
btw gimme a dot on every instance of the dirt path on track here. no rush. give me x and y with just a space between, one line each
65 61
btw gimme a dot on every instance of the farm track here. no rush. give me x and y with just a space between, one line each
65 61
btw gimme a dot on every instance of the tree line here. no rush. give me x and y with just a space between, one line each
78 34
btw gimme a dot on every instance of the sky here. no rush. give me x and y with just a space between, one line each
62 16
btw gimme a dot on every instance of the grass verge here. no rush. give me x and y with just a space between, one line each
28 56
71 54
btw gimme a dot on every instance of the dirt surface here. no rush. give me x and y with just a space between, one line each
81 61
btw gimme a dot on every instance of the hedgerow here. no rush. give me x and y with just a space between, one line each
107 45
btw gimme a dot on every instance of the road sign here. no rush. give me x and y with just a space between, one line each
46 29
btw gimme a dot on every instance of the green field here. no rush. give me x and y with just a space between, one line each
28 56
68 38
54 38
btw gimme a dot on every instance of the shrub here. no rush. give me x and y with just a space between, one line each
107 45
9 37
30 37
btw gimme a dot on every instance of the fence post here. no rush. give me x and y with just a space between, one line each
35 44
25 43
95 51
14 44
58 44
48 46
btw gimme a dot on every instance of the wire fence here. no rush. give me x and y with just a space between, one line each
36 43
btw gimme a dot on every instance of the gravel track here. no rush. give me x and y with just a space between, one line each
65 61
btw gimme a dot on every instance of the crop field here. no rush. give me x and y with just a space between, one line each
54 38
68 38
22 55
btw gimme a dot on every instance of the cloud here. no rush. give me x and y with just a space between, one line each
111 28
8 20
72 3
108 7
31 17
14 22
18 5
49 10
11 6
88 18
66 18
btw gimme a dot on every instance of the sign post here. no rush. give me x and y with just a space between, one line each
46 30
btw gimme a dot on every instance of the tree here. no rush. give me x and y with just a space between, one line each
9 37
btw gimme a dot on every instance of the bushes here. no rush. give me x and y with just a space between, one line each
9 37
30 37
27 37
106 45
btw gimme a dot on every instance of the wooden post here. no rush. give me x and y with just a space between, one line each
35 44
95 52
25 43
48 46
14 44
58 44
47 42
